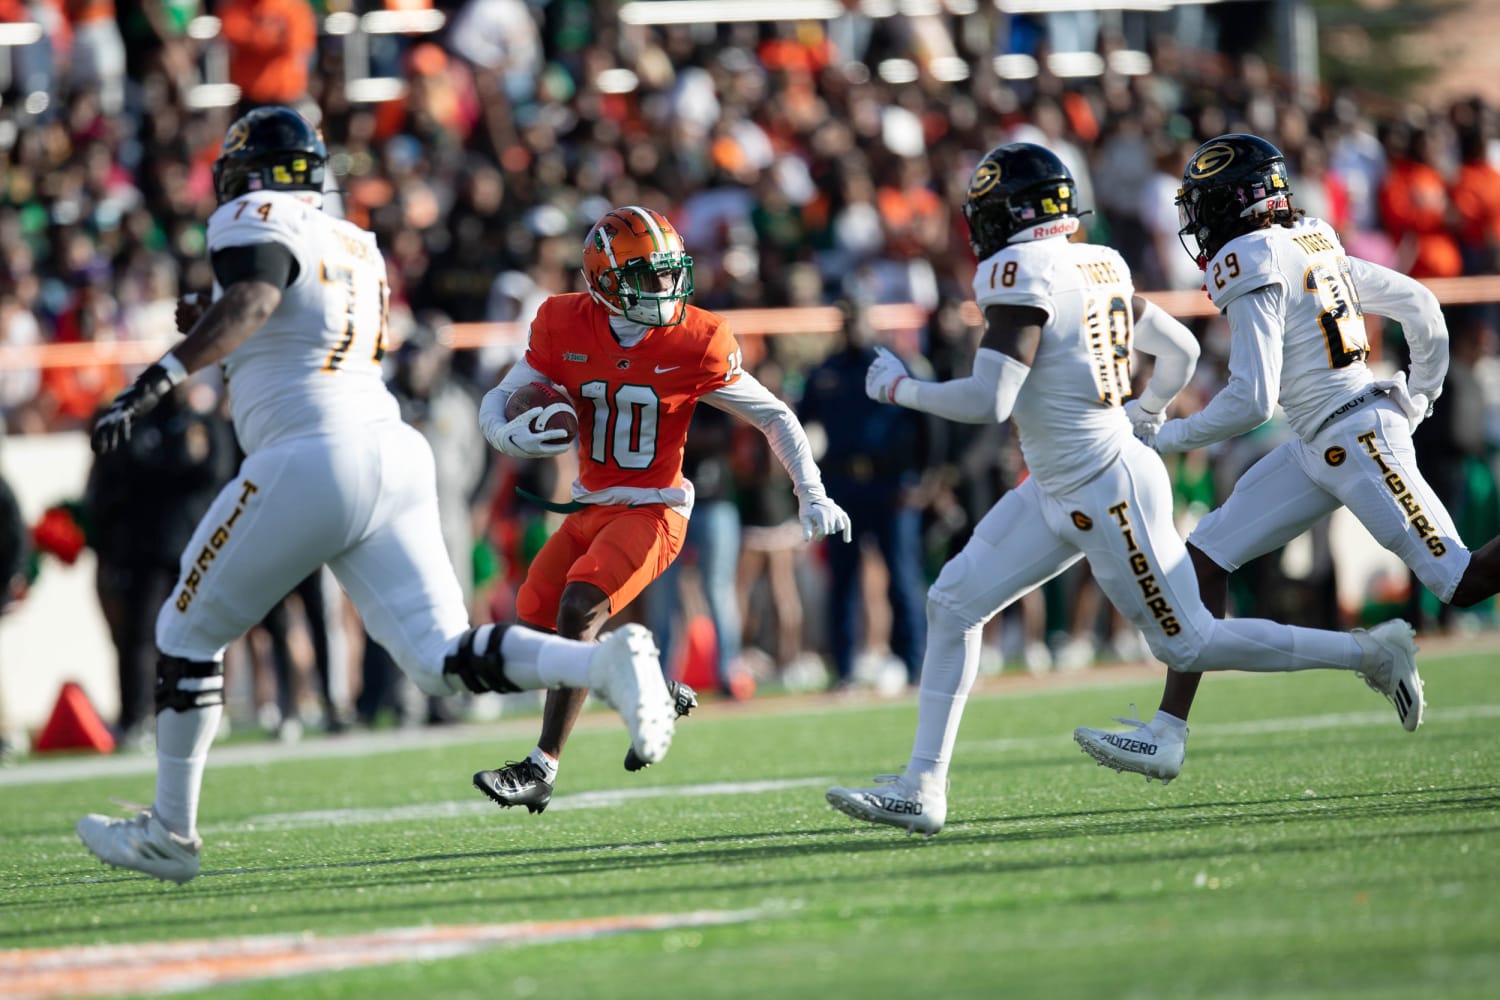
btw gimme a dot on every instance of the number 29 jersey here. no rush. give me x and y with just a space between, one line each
314 366
1322 336
1068 411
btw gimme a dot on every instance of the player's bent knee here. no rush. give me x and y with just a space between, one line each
477 663
183 684
946 613
582 612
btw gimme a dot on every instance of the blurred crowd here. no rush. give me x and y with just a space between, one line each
805 163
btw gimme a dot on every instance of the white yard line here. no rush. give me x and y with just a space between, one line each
604 799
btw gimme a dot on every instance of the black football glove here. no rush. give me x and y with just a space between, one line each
114 425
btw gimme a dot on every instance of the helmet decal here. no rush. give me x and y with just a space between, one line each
986 176
1019 192
1210 161
634 265
237 136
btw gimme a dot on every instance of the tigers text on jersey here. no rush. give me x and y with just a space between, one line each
314 366
1323 339
634 404
1068 411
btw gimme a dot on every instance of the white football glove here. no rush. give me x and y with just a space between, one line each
1143 423
885 371
520 438
822 518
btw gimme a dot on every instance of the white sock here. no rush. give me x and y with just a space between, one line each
182 742
949 668
546 762
540 660
1261 646
1167 721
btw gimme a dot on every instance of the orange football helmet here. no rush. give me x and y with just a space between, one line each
635 266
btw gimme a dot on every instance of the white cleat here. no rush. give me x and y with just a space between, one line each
1391 668
895 803
141 844
1138 750
626 673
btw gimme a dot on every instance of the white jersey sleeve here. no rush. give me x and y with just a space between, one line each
1015 278
1409 302
314 367
1243 265
262 217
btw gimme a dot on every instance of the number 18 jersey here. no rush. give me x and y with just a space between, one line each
314 366
1068 411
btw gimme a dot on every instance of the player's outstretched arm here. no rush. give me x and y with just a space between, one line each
1249 398
1406 300
227 324
752 402
1001 364
1176 354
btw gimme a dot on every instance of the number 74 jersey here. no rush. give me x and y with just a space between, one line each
314 367
1323 342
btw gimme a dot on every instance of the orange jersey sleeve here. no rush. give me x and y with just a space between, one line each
634 404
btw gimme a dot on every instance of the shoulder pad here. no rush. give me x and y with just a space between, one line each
259 217
1019 275
1244 264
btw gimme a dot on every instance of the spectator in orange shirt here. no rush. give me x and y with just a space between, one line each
271 43
1414 207
1476 199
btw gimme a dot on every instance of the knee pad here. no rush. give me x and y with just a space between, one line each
183 684
478 663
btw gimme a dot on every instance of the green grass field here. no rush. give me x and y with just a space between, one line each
1310 849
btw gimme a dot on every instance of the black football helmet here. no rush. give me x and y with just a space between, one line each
1230 186
273 149
1019 191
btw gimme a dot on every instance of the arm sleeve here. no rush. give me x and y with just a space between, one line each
1254 377
987 396
268 262
1409 302
1175 351
752 402
492 407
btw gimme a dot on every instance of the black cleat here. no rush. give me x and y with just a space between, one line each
518 783
684 698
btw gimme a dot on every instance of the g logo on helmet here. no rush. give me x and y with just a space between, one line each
1212 160
986 176
237 136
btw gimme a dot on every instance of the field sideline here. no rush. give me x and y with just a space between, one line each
1310 849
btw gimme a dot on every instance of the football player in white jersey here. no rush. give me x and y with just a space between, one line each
331 475
1295 303
1060 320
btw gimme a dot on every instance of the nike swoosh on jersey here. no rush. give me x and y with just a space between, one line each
661 371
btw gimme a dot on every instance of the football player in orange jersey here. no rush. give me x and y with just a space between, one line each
636 359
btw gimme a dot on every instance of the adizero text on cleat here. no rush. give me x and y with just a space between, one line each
1138 750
